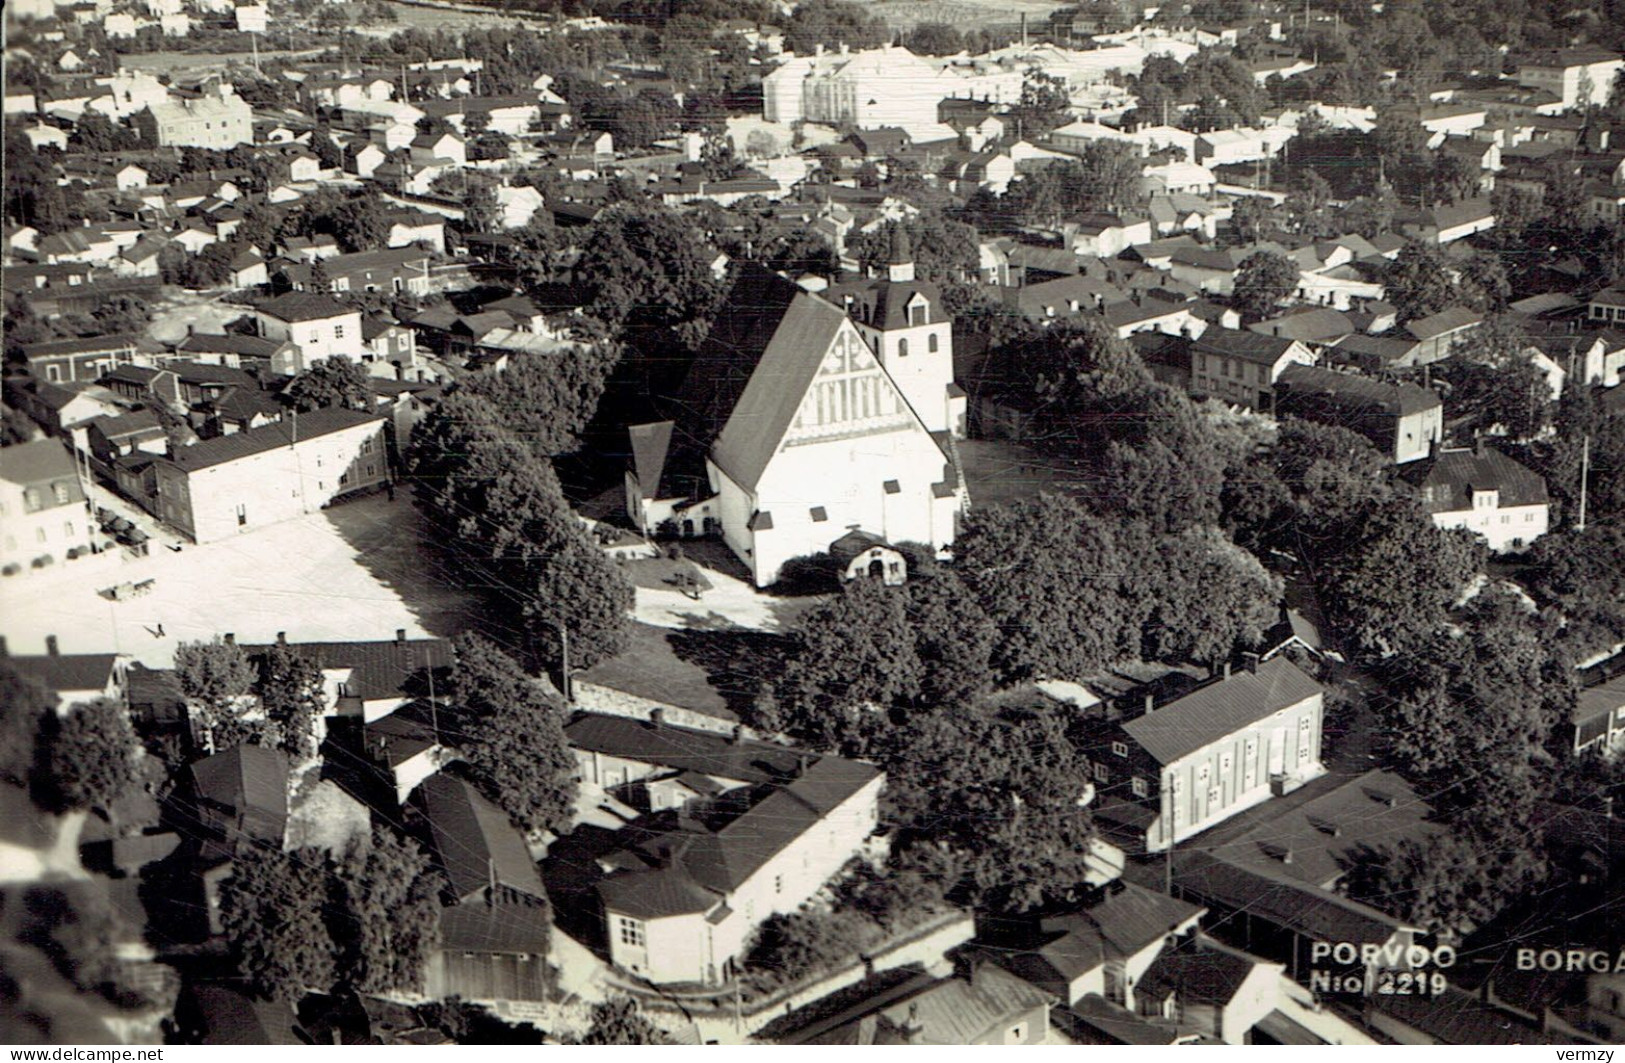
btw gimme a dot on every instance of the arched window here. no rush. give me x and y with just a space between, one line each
902 348
931 344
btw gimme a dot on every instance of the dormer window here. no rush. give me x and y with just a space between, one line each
919 314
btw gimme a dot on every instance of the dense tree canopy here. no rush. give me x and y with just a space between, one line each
333 381
92 757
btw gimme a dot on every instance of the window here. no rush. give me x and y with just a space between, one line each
315 337
338 332
1203 772
61 492
902 348
31 500
631 931
39 533
1101 774
917 315
931 343
1120 748
53 373
1017 1034
778 883
67 528
1528 518
242 516
1140 788
1215 795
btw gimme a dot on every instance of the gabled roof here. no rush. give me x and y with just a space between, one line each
651 445
474 841
1348 391
60 673
305 426
304 306
381 669
230 343
1223 707
244 777
37 462
1445 321
664 745
1239 343
1453 476
85 345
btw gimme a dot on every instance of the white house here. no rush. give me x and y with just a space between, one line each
219 121
223 487
1577 76
1487 493
43 505
870 89
319 325
798 431
759 830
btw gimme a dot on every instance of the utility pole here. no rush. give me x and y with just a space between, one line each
1585 474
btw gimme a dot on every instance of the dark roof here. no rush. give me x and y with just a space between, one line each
36 462
229 1016
1117 1025
651 445
1199 972
1221 708
1347 391
474 841
1374 351
705 752
70 671
378 669
283 433
1601 701
304 306
85 345
1273 898
244 777
655 894
403 734
883 303
1238 343
1125 920
1445 321
230 343
1317 324
1459 1018
504 928
1454 475
129 424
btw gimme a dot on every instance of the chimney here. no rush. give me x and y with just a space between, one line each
736 736
1478 446
51 647
1249 661
400 635
230 639
1227 669
802 763
657 718
913 1027
1150 703
281 638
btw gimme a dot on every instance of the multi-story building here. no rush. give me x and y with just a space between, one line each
319 325
1486 492
1242 366
1579 77
235 483
1174 771
736 831
219 121
869 89
43 513
1404 421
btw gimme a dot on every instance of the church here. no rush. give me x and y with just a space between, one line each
805 419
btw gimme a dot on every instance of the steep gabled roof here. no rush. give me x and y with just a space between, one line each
474 841
1454 475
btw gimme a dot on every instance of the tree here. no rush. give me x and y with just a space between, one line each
512 737
646 265
1581 574
122 313
92 756
389 915
547 402
1389 586
1043 106
1210 596
1419 284
329 153
831 23
23 706
216 679
271 909
1496 385
1264 279
292 696
934 38
333 381
1252 217
1452 883
619 1022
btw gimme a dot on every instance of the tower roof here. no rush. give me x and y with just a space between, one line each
901 253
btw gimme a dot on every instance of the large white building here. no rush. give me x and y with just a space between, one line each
801 422
233 484
871 89
219 121
1577 76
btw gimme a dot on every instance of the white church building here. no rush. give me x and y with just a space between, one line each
805 419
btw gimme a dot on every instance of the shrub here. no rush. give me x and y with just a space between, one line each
11 569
